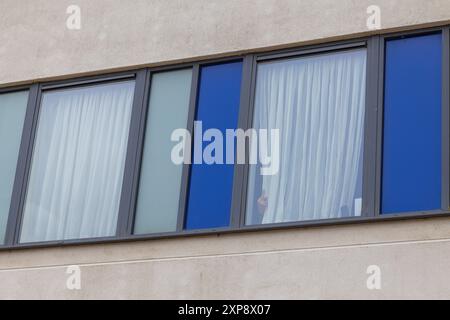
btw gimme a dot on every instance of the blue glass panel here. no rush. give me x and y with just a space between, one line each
209 201
411 178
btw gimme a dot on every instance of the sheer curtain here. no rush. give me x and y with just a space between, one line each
317 103
78 163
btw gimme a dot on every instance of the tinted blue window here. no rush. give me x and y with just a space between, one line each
411 179
210 191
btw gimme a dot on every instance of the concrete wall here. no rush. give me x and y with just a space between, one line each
325 262
35 43
322 262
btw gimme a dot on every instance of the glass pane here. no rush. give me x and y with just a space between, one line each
317 103
78 163
160 183
211 185
412 125
12 115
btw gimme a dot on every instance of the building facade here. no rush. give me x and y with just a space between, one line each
352 202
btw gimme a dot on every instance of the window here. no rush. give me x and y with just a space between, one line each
12 115
317 102
412 125
160 182
362 128
78 162
211 185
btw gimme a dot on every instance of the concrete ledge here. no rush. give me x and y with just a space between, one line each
312 239
237 270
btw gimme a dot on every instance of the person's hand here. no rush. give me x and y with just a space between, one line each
262 204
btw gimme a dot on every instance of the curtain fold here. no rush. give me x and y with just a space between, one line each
78 163
318 104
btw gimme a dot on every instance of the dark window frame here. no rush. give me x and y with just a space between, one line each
372 142
370 44
27 147
445 119
11 220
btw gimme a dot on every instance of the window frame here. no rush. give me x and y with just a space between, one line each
445 120
186 174
11 222
373 127
27 147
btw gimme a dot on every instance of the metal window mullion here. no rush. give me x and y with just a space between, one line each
380 119
371 128
23 166
182 205
445 198
126 209
237 207
249 124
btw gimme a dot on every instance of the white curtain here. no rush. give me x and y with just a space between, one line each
78 163
317 103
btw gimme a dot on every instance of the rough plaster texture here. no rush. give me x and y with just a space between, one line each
322 262
116 34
